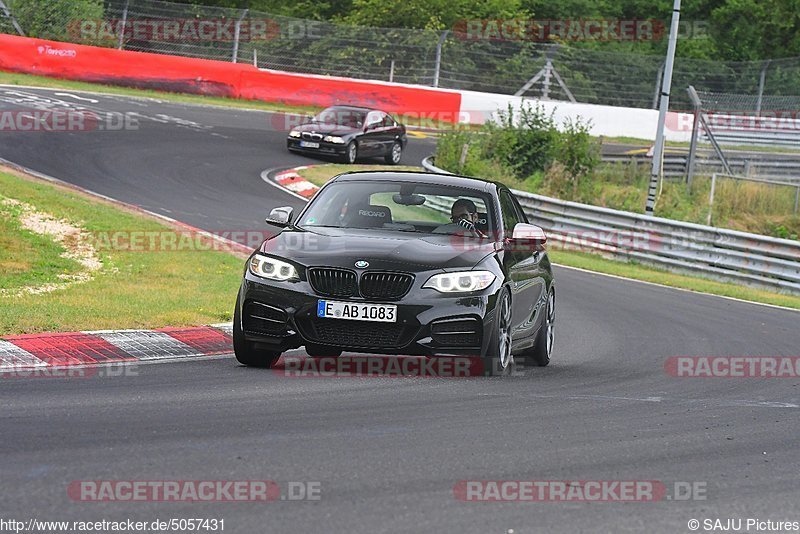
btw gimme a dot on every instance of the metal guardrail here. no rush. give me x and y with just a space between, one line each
716 253
771 170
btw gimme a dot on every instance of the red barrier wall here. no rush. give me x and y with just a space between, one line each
217 78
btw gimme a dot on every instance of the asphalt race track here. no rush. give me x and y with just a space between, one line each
387 452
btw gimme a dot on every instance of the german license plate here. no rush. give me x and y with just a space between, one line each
309 144
384 313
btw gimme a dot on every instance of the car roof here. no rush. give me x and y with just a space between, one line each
423 177
348 106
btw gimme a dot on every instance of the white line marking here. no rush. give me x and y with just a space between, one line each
776 306
732 403
76 97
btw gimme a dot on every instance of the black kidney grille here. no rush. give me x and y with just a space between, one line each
385 285
362 334
333 282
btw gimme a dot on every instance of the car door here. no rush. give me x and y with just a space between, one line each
525 273
370 141
390 132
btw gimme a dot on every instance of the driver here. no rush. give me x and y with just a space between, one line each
465 214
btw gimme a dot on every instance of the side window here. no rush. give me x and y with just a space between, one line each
510 214
520 212
388 122
373 119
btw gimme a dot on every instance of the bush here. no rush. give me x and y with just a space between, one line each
526 141
522 145
55 19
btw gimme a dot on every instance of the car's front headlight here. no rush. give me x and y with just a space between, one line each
294 133
460 282
272 268
333 139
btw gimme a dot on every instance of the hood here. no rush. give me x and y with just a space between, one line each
326 129
384 250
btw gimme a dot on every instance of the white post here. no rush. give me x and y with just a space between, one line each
711 198
121 41
438 64
237 27
666 84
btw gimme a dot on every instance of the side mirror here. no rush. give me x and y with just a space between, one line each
527 237
280 216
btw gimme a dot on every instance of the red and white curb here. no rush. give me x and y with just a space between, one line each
291 180
36 351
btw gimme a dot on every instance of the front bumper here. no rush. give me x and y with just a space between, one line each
279 316
328 149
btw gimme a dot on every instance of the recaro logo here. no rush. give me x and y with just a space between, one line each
367 213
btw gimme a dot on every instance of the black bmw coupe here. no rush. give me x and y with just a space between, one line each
405 263
350 133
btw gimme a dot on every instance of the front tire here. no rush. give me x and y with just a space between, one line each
351 153
543 346
245 351
498 361
395 153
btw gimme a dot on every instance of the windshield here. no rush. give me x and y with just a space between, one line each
402 207
337 116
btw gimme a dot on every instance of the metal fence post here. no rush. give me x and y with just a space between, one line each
438 65
656 173
695 132
236 31
121 41
11 17
463 159
796 198
391 72
658 84
548 69
711 198
761 79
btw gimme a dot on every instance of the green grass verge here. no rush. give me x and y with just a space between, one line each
319 174
11 78
27 258
136 289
